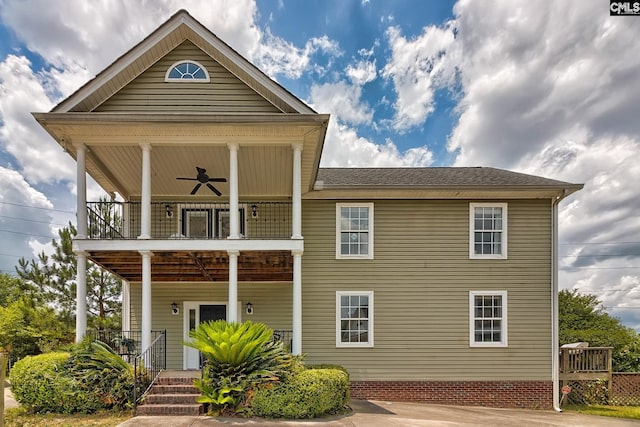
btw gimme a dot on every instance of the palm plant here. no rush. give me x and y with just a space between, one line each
238 357
103 373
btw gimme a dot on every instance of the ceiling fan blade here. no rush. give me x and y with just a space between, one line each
217 179
188 179
195 189
214 189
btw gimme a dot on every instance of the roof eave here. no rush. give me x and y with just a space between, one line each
442 191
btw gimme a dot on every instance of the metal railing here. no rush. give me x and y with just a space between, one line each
285 336
147 366
126 343
186 220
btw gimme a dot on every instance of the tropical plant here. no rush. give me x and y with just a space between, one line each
101 372
238 357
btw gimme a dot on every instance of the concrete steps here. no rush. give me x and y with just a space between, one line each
173 394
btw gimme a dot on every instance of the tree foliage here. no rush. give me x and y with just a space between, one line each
54 277
27 328
582 318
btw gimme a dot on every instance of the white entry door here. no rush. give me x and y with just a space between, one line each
196 312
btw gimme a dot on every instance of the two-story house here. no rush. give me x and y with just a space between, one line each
432 284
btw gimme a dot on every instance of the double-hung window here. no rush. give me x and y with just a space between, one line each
488 230
354 230
354 319
488 318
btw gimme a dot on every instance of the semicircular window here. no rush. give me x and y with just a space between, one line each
187 71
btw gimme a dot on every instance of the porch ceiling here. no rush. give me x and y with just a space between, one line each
180 142
204 266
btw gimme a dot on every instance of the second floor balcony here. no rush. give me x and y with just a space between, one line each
189 220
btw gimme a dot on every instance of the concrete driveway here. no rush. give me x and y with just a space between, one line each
395 414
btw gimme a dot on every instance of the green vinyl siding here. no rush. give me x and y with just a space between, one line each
224 93
421 276
271 305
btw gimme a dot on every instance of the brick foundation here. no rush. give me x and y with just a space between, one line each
498 394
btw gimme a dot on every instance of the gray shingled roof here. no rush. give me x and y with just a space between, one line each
433 176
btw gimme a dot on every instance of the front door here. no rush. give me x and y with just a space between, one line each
196 312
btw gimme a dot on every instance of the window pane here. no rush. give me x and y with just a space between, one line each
354 318
487 322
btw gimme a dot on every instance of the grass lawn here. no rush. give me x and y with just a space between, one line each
18 417
632 412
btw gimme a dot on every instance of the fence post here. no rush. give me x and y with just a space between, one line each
3 370
610 373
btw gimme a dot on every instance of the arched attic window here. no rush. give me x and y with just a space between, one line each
187 71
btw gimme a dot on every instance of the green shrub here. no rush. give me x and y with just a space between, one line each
308 394
328 366
42 384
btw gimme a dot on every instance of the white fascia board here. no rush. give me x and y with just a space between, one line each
190 245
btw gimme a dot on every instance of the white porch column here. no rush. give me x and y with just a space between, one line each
145 207
297 303
234 215
146 299
81 183
126 306
296 198
81 295
233 286
126 217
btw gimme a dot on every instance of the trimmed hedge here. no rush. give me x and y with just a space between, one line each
41 384
308 394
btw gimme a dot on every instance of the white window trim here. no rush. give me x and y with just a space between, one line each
339 255
207 79
472 335
339 342
505 227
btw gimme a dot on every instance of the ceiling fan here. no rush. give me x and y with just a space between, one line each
203 178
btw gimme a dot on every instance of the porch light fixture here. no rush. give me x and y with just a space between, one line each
174 309
254 211
249 308
169 211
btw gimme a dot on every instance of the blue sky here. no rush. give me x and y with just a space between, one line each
546 87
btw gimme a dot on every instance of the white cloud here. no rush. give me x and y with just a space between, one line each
531 70
343 101
362 72
417 68
23 91
344 148
93 34
22 224
277 56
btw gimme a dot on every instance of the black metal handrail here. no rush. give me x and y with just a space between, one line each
169 219
147 367
127 344
100 227
285 336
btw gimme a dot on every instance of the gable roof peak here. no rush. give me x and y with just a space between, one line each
160 42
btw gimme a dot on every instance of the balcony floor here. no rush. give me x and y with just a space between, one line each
201 266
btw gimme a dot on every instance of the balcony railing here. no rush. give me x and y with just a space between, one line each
184 220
